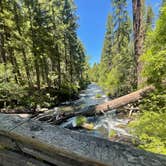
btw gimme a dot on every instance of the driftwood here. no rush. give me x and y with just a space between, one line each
98 109
54 145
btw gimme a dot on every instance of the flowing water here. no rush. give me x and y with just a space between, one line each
110 125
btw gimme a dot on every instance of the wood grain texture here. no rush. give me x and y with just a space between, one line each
63 147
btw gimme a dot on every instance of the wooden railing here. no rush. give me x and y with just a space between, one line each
25 142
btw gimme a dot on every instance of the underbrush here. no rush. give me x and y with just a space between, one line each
13 96
150 126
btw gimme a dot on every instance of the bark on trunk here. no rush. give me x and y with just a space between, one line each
138 35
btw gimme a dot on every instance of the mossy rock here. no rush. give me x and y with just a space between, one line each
80 120
112 133
98 96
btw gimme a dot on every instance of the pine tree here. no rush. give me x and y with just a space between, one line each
116 65
108 43
149 19
122 55
107 52
40 52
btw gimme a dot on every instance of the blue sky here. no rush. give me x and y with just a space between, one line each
92 23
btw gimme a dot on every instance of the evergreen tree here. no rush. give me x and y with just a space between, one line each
154 106
122 53
117 63
107 52
40 52
149 19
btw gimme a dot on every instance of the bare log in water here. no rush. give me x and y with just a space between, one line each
101 108
124 100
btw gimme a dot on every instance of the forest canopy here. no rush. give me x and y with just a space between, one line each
42 60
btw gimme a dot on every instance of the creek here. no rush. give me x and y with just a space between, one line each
111 125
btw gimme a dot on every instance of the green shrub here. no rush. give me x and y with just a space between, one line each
150 128
156 101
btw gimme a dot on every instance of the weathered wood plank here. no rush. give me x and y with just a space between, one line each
63 147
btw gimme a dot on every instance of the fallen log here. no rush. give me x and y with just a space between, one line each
124 100
100 109
45 145
18 159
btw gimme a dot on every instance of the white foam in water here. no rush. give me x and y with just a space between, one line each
109 121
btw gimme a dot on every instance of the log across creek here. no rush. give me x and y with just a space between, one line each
29 142
58 118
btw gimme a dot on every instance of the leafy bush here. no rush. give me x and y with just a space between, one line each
112 133
150 128
155 101
154 59
10 94
154 66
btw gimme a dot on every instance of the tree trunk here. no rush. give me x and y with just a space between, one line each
2 51
34 51
16 69
25 61
98 109
19 158
138 36
46 71
124 100
59 68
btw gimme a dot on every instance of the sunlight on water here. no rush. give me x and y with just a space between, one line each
103 125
